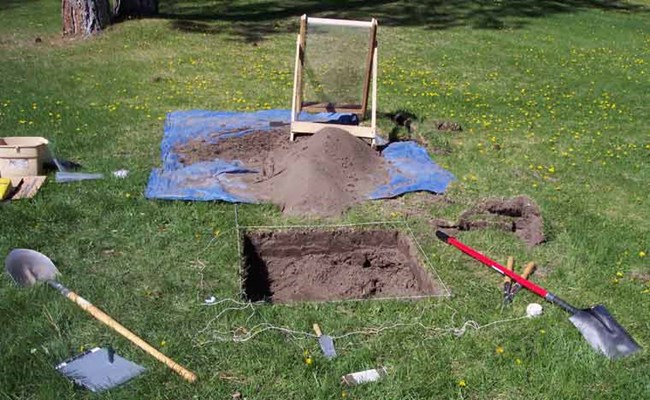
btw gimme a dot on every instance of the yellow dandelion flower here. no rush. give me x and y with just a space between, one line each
461 383
642 254
309 361
499 350
619 274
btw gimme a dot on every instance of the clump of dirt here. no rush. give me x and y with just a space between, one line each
520 215
322 174
448 126
321 265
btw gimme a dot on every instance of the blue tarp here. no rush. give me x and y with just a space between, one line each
410 167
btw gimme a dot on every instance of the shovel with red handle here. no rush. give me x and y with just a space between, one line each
595 324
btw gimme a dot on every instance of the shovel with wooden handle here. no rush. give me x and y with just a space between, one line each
530 267
507 281
26 267
326 343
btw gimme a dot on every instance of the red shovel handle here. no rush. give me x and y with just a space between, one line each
492 264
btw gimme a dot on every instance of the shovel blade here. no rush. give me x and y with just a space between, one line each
327 345
603 333
26 267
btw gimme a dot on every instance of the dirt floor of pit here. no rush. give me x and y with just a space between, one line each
292 266
319 175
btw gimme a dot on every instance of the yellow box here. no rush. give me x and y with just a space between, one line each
5 187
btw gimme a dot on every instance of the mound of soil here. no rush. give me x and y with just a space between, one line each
324 174
321 265
321 175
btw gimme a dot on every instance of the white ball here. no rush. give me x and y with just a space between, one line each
534 310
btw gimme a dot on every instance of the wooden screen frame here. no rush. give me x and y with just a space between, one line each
370 82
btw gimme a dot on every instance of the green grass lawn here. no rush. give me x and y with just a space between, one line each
553 99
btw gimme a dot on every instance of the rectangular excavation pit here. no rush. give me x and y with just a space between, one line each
285 266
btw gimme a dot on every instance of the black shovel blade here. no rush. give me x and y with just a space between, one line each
603 333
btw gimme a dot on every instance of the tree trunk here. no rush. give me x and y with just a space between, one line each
84 17
136 8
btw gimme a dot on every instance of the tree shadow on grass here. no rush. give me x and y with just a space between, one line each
6 4
252 21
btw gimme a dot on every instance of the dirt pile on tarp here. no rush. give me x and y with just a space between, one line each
252 148
324 174
321 175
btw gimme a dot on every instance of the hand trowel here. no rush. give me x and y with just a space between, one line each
326 343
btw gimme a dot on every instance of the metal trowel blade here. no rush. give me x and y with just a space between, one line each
327 345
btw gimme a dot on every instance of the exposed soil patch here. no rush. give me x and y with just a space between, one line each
251 149
321 265
415 205
322 174
641 276
520 215
448 126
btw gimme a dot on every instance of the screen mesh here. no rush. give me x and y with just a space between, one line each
335 65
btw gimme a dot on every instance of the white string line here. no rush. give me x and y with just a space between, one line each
242 306
236 216
351 224
213 239
428 261
458 332
201 265
238 239
243 334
